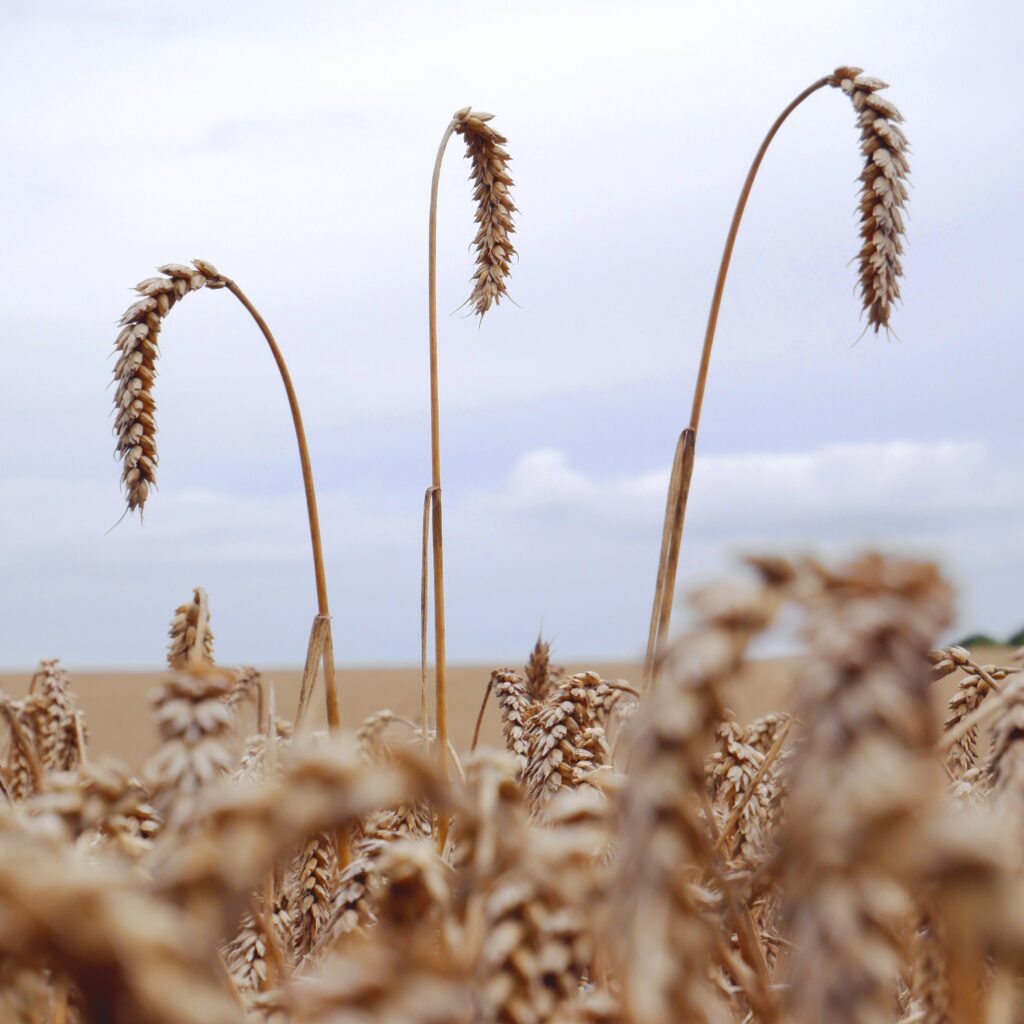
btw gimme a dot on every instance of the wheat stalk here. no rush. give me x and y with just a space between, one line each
493 217
135 427
883 196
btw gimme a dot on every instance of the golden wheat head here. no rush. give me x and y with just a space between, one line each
883 192
135 371
494 206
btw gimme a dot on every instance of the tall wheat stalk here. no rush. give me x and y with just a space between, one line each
484 147
135 428
883 195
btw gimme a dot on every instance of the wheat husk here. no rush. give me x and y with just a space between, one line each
494 206
883 193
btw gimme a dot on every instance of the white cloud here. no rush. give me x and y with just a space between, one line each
549 541
292 147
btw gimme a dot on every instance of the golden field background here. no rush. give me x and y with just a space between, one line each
116 703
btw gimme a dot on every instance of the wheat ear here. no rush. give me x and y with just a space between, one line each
493 216
883 196
135 426
190 635
867 759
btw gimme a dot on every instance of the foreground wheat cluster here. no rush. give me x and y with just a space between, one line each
633 856
625 859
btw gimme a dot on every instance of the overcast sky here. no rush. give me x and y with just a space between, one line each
291 145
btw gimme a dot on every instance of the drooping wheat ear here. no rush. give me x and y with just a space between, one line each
865 767
191 638
494 220
135 428
135 372
494 206
883 197
57 736
883 192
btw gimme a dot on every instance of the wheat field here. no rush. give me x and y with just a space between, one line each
706 837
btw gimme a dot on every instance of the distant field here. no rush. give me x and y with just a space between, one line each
117 703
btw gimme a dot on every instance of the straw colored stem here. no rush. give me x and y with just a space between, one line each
314 654
424 606
671 504
480 714
730 242
679 492
323 610
270 769
675 511
441 696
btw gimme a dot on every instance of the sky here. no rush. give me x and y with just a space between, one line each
292 146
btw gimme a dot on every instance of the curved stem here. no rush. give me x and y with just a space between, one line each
679 485
333 716
730 242
441 696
